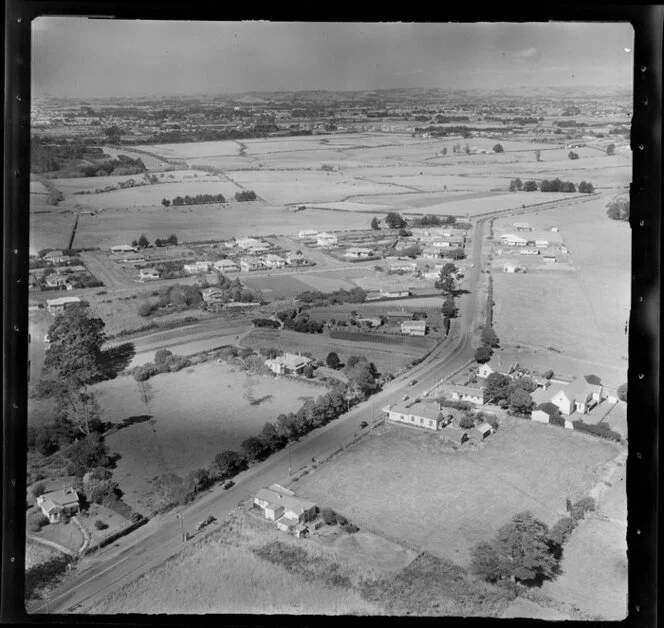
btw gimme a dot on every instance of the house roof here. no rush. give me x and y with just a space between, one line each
483 427
64 497
359 249
414 324
455 434
400 314
282 498
62 301
549 408
467 390
541 396
581 388
290 360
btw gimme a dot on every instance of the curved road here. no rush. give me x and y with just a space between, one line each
149 546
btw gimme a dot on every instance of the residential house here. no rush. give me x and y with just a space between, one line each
554 229
522 226
541 244
406 266
445 243
510 239
495 366
195 268
394 294
213 295
414 328
248 264
55 306
544 412
358 252
579 396
529 252
307 234
58 503
274 261
124 248
484 430
247 243
431 253
467 393
510 268
423 414
549 259
56 257
373 295
226 266
564 250
149 274
288 364
297 259
258 249
327 239
373 321
55 280
289 512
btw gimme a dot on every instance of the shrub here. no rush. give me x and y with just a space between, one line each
38 489
146 308
467 422
350 528
600 429
548 374
100 525
162 356
37 520
328 516
557 420
561 530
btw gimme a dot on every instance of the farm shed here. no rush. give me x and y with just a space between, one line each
358 252
400 316
484 430
55 306
414 328
124 248
454 435
149 274
549 259
544 412
529 252
510 268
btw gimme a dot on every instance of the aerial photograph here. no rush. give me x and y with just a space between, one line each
328 318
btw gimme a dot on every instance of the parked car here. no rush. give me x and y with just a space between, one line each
210 520
404 398
413 382
363 424
228 485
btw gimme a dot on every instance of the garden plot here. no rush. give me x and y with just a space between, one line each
194 415
278 286
401 476
223 163
37 187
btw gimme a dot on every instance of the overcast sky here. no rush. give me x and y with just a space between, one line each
100 58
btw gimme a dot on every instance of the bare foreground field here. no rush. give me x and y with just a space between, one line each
195 414
402 476
591 302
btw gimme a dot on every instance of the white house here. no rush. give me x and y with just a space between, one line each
445 243
579 396
529 252
541 244
549 259
274 261
55 306
124 248
513 240
394 294
149 274
195 268
554 229
431 253
289 512
423 414
248 264
56 257
307 234
297 259
495 366
58 503
287 364
358 252
407 266
226 266
247 243
467 393
213 295
414 328
510 268
522 226
326 239
55 280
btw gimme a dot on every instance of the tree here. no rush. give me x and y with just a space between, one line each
618 208
444 151
134 243
526 383
530 186
308 371
622 392
538 155
255 448
143 242
548 374
172 239
395 221
333 360
97 490
165 202
611 149
520 551
449 307
229 463
561 531
328 516
445 282
483 354
467 422
573 155
586 187
159 242
86 454
38 489
272 437
162 356
520 401
498 148
374 224
489 337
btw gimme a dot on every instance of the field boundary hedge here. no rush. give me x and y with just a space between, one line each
359 336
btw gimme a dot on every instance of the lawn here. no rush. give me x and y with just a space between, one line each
66 534
277 286
195 414
387 358
221 574
590 318
36 554
402 483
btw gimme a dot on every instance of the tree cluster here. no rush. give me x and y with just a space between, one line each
395 220
431 220
199 199
315 297
172 240
302 323
618 208
506 391
245 195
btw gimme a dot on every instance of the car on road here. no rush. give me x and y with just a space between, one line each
413 382
363 424
47 338
425 393
228 485
405 397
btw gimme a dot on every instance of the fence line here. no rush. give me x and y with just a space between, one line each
359 336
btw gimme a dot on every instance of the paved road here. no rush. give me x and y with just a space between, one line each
151 545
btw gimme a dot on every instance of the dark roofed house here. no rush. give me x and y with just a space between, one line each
58 503
455 435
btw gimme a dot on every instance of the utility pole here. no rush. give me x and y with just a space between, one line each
290 472
182 527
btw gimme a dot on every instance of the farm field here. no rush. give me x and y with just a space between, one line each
401 475
36 187
186 150
151 163
195 414
387 358
589 323
77 184
221 574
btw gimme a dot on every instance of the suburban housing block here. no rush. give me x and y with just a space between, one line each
288 511
288 364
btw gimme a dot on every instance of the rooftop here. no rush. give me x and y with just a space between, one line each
277 495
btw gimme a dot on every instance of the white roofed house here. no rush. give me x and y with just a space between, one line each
510 239
496 366
307 234
297 259
467 393
55 306
522 226
579 396
56 280
288 364
248 264
124 248
274 261
56 257
213 295
58 503
424 414
414 328
541 244
195 268
289 512
358 252
226 266
327 239
431 253
149 274
247 243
